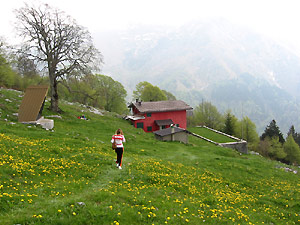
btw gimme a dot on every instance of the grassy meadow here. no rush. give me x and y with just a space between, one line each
68 176
204 132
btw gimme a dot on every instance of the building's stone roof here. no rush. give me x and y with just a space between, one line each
168 131
161 106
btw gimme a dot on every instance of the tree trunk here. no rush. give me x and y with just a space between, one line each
54 94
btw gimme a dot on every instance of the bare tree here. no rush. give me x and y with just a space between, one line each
55 40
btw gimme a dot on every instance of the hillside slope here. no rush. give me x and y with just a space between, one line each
68 176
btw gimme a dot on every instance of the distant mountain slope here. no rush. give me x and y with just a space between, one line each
209 59
257 99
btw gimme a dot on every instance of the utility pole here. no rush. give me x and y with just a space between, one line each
202 107
242 122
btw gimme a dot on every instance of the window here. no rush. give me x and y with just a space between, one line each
163 127
149 128
140 125
149 114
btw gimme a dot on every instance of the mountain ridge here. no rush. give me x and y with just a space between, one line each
191 60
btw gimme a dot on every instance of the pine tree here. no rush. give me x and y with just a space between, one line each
230 123
292 132
271 131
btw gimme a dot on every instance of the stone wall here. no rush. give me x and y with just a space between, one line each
179 136
239 146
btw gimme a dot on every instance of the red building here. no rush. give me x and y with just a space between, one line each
152 116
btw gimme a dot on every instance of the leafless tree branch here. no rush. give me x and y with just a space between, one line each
56 40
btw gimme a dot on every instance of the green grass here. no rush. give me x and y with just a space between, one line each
44 175
204 132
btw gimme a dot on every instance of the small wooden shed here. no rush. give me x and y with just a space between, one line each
172 134
32 104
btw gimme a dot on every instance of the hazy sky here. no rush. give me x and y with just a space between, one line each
279 19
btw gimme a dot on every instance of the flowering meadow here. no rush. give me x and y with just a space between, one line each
68 176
